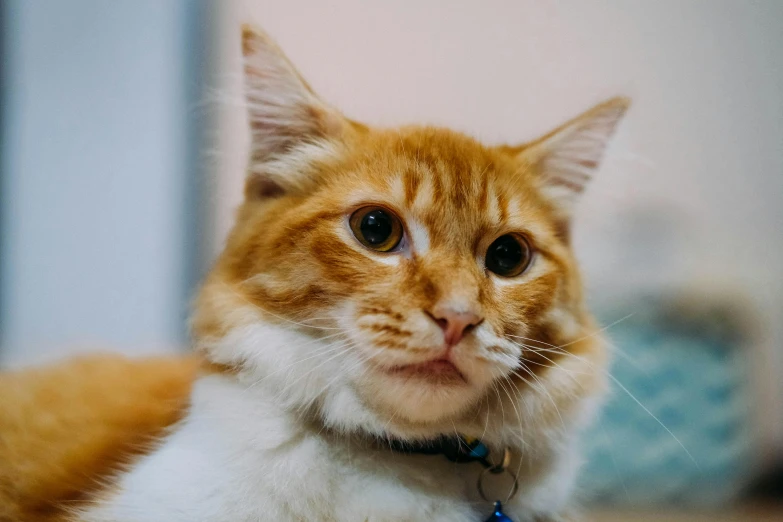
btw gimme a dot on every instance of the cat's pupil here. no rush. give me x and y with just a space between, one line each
376 227
506 256
506 253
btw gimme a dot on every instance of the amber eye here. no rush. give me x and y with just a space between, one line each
376 228
508 255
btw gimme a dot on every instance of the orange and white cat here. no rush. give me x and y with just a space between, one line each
380 286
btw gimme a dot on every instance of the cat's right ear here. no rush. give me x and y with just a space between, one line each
289 124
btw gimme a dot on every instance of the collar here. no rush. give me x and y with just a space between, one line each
455 448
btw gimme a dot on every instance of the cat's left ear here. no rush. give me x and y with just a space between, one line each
290 125
565 159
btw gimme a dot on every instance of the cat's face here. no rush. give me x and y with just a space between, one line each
396 271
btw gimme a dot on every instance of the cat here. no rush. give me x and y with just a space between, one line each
382 289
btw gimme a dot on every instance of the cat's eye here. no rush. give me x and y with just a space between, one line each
509 255
376 228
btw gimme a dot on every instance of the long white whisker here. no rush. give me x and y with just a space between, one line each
651 414
631 395
519 419
598 331
543 389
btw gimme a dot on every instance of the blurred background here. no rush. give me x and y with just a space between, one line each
123 142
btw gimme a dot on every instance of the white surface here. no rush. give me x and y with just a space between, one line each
92 220
702 146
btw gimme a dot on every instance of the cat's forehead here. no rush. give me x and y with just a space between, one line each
445 181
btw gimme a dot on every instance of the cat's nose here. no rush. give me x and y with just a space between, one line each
455 324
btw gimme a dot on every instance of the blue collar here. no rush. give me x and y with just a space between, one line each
456 449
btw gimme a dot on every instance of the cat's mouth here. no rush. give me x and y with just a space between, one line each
440 371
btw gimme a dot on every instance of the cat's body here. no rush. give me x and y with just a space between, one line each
239 457
379 285
66 429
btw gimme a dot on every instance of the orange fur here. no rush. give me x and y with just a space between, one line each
66 426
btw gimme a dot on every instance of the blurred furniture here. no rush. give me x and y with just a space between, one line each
687 441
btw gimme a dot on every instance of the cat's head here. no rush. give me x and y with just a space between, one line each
396 279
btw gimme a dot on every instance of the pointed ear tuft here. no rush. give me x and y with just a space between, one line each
566 158
284 112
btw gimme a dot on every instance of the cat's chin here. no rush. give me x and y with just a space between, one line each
439 372
423 394
408 402
403 414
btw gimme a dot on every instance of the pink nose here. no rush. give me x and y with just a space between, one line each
454 324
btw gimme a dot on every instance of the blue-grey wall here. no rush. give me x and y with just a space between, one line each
99 185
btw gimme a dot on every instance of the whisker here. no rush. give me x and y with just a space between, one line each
598 331
570 373
592 334
500 402
486 420
632 396
519 420
545 391
610 446
651 414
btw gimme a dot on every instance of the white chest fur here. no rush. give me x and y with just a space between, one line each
237 457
